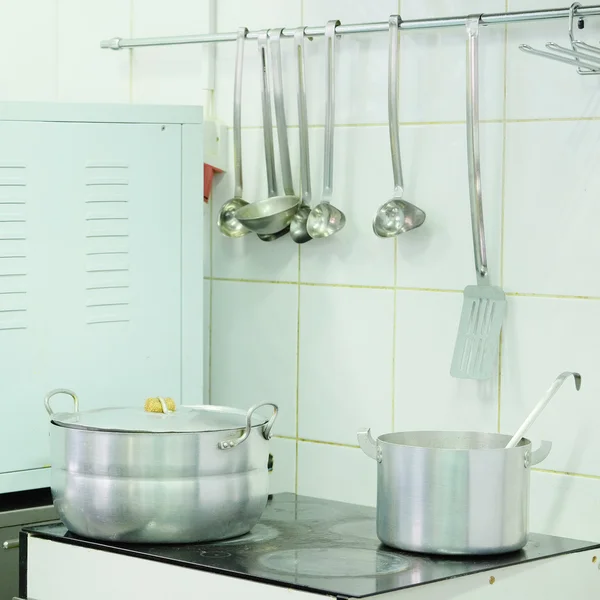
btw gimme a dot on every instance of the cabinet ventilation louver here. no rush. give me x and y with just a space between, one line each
107 243
13 247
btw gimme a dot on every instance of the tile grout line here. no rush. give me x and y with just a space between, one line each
401 288
342 445
381 124
324 443
395 274
394 316
210 297
438 123
131 12
57 49
502 205
296 480
356 446
566 473
299 250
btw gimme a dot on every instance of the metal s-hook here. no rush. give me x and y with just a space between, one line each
583 69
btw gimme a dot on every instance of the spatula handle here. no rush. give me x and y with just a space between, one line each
473 158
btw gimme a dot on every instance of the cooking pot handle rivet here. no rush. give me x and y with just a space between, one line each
60 391
537 456
266 430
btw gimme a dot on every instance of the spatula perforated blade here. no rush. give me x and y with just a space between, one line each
476 349
484 305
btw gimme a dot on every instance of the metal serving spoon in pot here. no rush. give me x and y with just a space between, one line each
226 221
298 229
325 219
396 216
533 415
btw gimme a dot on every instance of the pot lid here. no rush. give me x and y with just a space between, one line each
183 419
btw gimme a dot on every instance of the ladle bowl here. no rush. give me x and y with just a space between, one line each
268 216
227 222
397 216
298 226
325 220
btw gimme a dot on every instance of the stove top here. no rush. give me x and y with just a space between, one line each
320 546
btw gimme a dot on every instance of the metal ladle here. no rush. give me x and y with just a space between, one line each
268 136
298 230
226 221
325 219
533 415
396 216
272 215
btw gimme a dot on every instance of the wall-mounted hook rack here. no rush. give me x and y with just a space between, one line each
581 55
118 43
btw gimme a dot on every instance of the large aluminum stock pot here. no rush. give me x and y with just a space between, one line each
452 492
195 474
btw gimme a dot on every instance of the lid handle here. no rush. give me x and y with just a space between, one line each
159 405
49 395
266 429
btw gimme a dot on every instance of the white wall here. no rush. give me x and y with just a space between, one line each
355 330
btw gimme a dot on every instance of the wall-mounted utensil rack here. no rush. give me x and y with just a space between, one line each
118 43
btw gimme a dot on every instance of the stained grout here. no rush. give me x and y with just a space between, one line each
325 443
298 371
401 288
384 124
210 300
355 446
502 207
566 473
131 2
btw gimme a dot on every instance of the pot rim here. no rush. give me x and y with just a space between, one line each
523 443
59 420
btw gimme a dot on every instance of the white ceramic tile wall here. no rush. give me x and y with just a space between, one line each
354 330
376 319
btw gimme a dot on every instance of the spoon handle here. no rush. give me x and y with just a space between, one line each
330 110
266 115
473 158
533 415
284 150
303 118
237 113
394 24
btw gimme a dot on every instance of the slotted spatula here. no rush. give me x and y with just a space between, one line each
484 305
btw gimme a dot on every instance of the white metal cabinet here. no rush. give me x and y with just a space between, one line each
58 571
100 266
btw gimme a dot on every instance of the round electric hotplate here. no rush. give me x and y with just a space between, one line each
365 529
334 562
259 533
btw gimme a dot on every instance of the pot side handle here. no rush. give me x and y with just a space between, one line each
368 445
266 429
49 395
537 456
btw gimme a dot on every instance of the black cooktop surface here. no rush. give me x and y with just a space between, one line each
320 546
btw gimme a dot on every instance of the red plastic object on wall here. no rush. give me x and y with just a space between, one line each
209 172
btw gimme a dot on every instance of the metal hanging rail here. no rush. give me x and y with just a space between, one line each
486 19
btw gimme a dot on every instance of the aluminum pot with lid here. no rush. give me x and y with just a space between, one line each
452 492
195 474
